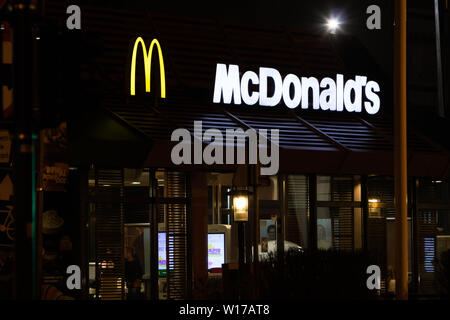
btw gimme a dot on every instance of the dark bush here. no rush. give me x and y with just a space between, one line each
316 274
443 273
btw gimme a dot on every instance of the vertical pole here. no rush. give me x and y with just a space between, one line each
93 221
365 210
40 210
214 202
445 52
154 272
255 221
37 170
241 244
400 152
312 217
241 256
189 238
166 229
199 231
23 170
219 203
415 211
280 233
122 233
439 65
83 207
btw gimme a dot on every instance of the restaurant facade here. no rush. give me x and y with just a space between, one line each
153 178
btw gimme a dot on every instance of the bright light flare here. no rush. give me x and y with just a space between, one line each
240 204
332 25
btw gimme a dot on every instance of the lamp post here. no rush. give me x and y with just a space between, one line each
24 141
400 151
240 215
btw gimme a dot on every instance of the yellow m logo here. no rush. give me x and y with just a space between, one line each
147 66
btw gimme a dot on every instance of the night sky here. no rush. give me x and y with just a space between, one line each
295 15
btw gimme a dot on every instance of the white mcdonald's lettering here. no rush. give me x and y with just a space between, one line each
326 94
147 66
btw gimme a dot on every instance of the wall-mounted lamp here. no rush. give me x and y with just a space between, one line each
240 207
240 210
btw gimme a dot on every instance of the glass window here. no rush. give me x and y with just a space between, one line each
443 234
219 199
335 228
269 215
323 188
433 191
297 209
324 230
136 177
380 189
225 205
210 204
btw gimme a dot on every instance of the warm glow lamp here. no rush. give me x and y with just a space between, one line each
240 207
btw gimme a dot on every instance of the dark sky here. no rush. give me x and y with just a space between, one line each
377 45
297 15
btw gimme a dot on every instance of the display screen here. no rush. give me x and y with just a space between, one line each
162 261
216 250
162 254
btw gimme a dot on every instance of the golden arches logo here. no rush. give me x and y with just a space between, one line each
147 66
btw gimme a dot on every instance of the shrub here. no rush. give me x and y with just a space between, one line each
316 274
443 273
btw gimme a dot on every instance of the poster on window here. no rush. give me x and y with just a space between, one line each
6 187
54 177
5 146
56 137
7 60
7 225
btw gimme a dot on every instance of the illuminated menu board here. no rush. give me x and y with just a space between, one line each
162 262
216 250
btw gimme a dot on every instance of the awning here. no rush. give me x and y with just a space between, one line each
309 143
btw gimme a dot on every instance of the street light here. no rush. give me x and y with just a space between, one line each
240 213
333 25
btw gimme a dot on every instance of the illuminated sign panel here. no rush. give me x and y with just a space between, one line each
333 94
216 250
147 66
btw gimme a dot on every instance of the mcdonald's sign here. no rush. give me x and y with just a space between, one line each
147 66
